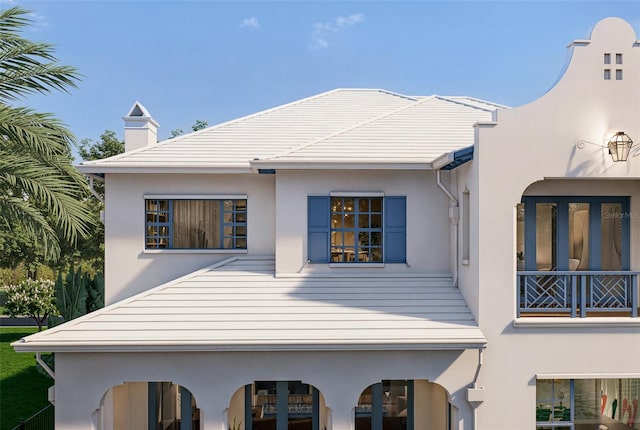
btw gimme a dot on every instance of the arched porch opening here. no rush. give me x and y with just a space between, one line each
404 405
278 405
573 249
147 405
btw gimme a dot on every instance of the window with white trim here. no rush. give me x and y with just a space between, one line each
356 229
195 223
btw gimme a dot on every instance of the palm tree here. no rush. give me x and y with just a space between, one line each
40 190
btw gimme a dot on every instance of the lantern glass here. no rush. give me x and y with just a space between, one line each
620 146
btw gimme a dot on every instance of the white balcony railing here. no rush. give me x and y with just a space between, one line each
577 293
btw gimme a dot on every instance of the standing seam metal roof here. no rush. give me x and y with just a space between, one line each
339 125
239 304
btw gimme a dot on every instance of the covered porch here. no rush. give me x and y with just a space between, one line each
577 249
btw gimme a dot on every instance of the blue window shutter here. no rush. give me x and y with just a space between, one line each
318 229
395 220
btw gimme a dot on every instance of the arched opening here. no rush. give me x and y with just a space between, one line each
277 405
573 251
403 405
148 405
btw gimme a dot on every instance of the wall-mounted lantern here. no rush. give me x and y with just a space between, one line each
619 146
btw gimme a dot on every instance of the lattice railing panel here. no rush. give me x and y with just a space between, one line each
574 293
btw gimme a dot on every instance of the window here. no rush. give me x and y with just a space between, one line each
356 229
283 404
196 223
403 405
563 403
466 226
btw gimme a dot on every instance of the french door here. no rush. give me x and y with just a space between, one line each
575 233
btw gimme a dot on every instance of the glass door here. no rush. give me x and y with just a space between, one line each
574 233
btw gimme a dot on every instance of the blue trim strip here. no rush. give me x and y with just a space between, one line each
152 410
185 409
315 415
248 407
376 406
460 157
282 405
410 405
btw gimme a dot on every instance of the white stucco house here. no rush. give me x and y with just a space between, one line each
362 259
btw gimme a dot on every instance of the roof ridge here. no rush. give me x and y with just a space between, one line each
453 100
351 128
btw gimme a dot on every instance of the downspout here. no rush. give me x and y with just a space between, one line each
454 217
475 394
93 190
44 365
97 196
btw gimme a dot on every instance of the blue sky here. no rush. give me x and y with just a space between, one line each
215 60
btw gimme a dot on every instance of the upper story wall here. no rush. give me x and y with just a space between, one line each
130 269
538 141
427 224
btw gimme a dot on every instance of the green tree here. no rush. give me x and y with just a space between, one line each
175 133
19 250
41 193
107 145
89 252
33 298
198 125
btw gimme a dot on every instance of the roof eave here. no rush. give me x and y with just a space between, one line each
340 165
347 345
146 168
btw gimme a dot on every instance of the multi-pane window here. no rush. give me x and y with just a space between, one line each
356 229
196 224
587 403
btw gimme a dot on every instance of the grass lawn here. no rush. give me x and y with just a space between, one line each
23 390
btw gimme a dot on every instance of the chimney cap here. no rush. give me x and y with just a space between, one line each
138 110
139 114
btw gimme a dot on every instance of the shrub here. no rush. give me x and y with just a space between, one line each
33 298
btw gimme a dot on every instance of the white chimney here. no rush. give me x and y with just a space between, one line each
140 129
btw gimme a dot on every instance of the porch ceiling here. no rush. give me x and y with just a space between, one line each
239 305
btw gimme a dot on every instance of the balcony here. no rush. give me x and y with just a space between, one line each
578 294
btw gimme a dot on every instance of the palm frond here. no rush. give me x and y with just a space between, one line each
40 191
28 67
13 20
39 134
18 211
54 186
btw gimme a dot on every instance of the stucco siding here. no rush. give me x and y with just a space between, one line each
427 228
130 270
533 143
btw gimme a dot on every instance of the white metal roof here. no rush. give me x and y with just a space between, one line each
418 133
392 124
240 305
